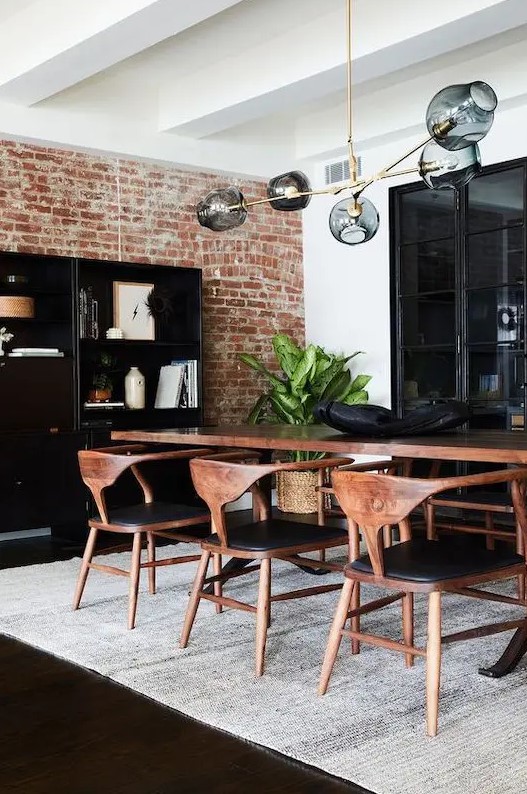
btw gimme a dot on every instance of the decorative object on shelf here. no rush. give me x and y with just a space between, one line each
5 336
309 375
130 309
15 280
507 318
114 333
457 118
102 382
160 303
17 306
134 389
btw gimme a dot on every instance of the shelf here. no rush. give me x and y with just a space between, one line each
445 348
36 320
127 342
19 290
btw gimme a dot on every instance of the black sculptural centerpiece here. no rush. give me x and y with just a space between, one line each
376 421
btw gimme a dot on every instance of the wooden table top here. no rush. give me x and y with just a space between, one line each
490 446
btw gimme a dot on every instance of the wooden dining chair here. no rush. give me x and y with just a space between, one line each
418 565
261 540
148 519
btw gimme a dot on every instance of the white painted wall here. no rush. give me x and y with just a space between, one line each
347 289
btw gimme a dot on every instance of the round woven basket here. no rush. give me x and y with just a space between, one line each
16 306
296 491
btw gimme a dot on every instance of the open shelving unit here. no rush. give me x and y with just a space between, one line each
43 420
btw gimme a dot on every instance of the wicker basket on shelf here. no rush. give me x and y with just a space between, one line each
16 306
296 491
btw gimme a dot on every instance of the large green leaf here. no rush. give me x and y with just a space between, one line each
257 412
287 353
360 382
356 397
337 387
282 414
303 368
252 362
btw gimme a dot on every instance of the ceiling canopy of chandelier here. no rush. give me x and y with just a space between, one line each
457 118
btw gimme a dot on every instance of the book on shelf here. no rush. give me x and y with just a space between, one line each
36 354
169 386
88 314
189 393
35 350
109 404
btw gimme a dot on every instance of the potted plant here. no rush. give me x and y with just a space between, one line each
102 381
308 375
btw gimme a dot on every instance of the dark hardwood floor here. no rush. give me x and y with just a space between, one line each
67 729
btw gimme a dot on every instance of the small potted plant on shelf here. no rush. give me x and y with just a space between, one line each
102 381
308 376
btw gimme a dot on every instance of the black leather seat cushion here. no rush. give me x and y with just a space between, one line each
421 560
374 420
277 533
153 513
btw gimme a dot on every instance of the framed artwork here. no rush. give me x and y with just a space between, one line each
130 309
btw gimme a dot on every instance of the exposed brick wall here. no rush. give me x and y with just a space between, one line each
69 203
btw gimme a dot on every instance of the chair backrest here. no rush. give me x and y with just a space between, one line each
101 468
220 482
374 500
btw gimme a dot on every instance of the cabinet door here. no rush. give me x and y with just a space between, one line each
40 483
494 297
36 394
426 308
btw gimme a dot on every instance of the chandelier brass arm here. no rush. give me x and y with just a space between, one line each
457 117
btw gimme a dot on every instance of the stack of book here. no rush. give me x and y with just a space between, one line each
178 385
107 404
28 352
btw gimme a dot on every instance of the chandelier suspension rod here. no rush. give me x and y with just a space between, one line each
349 44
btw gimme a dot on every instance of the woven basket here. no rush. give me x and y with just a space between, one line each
296 491
16 306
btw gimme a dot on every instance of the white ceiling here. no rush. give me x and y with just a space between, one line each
240 84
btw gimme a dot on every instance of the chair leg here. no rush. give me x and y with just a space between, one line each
408 626
151 552
335 635
520 550
83 573
195 598
387 536
355 621
262 614
433 662
218 587
354 554
135 570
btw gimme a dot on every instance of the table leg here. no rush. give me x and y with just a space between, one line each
513 653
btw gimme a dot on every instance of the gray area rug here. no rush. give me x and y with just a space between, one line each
369 728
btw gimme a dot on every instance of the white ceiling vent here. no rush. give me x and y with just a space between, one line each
339 171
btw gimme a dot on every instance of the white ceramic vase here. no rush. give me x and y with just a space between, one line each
134 389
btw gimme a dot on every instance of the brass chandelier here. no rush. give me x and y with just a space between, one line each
457 118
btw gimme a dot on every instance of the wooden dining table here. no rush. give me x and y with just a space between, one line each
484 446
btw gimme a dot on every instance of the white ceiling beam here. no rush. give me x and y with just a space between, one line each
233 93
66 41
